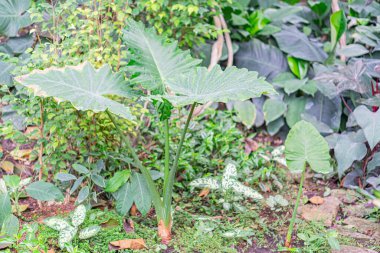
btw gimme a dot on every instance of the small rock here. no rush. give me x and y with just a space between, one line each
346 196
352 249
350 232
325 212
364 226
359 210
316 200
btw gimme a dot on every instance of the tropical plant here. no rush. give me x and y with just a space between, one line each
88 177
173 78
15 188
68 231
8 222
305 146
226 185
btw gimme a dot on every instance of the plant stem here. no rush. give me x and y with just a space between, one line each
41 150
167 155
156 199
292 221
170 184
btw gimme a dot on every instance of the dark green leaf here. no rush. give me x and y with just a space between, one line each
44 191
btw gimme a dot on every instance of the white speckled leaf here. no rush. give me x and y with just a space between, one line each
206 182
202 86
244 190
83 85
79 215
89 232
66 236
56 223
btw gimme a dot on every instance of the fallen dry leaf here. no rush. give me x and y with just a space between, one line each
316 200
128 226
133 210
128 244
33 132
7 166
21 154
22 208
250 146
204 192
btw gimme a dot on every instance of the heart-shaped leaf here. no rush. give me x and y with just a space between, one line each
304 145
370 123
13 16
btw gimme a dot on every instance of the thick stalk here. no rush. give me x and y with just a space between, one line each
293 220
167 155
156 199
171 179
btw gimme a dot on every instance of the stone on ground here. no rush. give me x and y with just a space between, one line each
326 212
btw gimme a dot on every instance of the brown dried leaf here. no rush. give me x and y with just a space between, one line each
316 200
7 166
250 146
128 244
133 210
128 226
204 192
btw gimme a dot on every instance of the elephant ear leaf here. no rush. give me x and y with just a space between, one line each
13 16
202 86
83 85
370 123
304 145
154 58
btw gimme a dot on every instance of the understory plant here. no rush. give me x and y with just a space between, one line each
305 146
68 231
173 78
14 186
228 184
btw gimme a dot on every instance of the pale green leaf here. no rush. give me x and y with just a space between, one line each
296 106
13 16
44 191
244 190
153 58
5 207
80 169
119 179
10 225
246 112
202 86
83 85
304 145
124 199
273 109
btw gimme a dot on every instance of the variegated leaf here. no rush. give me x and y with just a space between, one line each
245 190
78 216
89 232
206 182
229 175
66 236
56 223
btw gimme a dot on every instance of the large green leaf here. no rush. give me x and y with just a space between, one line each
44 191
338 25
246 112
140 190
124 199
153 58
255 55
297 44
84 86
304 145
370 123
273 109
5 73
5 207
13 16
347 150
296 106
202 86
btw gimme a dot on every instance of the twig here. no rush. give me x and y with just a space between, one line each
345 104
